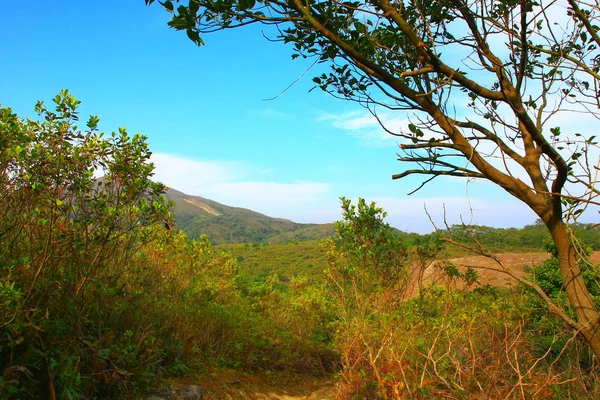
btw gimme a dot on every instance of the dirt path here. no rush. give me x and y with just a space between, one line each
234 385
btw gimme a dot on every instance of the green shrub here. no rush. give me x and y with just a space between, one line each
67 237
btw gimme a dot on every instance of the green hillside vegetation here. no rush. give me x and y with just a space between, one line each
307 233
307 258
101 298
285 260
198 216
529 238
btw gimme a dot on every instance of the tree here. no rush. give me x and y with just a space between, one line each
66 240
484 81
366 248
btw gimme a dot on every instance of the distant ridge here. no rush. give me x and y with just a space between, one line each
197 215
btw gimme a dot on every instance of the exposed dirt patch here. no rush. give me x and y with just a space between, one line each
519 263
233 385
203 206
595 257
489 271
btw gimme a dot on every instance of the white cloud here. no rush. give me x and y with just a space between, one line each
366 128
353 120
234 183
408 213
289 200
189 175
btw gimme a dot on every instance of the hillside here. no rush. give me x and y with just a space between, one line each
196 216
284 259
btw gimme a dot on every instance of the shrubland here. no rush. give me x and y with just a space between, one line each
285 260
102 298
440 342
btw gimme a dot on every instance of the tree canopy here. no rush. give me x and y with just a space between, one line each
483 82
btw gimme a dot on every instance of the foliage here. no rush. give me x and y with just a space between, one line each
529 238
547 276
66 239
368 246
101 298
206 315
285 260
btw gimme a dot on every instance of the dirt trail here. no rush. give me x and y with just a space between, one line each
234 385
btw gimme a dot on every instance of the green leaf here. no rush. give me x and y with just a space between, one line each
360 27
194 36
93 122
244 5
168 5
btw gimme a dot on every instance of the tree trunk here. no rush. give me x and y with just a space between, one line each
577 292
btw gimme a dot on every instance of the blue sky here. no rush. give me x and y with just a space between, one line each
209 126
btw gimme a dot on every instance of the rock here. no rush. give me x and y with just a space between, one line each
191 392
164 393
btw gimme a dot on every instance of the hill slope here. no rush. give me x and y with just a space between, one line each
196 215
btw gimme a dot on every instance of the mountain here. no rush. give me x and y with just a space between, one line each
196 215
